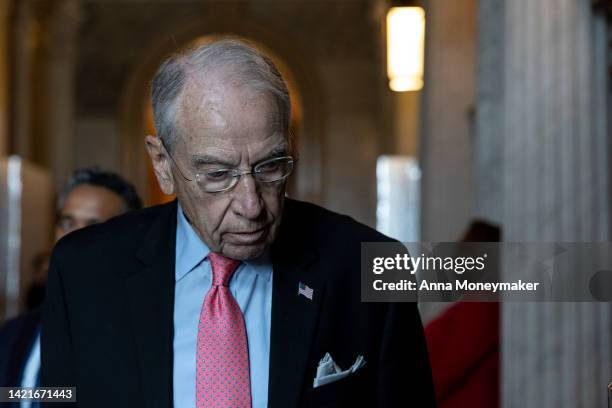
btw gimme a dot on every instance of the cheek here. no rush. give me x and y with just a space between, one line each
211 215
206 213
273 199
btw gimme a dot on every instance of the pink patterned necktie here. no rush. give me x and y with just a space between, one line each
222 373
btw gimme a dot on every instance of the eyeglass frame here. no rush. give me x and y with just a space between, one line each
236 173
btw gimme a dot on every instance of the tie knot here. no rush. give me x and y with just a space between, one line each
222 268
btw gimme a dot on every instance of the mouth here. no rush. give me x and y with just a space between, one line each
247 237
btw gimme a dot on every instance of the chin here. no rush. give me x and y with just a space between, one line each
243 252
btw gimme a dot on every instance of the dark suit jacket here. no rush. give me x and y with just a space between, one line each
108 318
16 340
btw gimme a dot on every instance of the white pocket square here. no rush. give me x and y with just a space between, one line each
328 371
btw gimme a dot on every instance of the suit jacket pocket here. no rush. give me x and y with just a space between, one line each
352 391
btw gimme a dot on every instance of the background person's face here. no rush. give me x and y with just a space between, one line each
86 205
237 129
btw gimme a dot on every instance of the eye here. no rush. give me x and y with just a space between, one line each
217 175
266 167
65 223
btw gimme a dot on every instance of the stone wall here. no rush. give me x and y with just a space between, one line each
446 148
544 173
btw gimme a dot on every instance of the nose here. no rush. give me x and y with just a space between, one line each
246 198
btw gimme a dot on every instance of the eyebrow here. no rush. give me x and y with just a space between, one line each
206 159
278 151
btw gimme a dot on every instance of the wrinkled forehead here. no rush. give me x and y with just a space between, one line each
227 116
219 103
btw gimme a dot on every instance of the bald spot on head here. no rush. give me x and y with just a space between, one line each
211 99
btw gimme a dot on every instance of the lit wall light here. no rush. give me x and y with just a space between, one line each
405 48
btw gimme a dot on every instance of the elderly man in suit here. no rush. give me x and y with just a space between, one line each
232 295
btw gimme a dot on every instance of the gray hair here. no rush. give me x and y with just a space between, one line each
243 63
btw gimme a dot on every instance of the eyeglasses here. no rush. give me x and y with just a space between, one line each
220 179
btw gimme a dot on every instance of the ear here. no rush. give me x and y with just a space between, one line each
161 164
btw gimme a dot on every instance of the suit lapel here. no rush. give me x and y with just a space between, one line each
294 316
150 292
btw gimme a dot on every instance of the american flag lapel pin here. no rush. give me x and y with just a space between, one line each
305 290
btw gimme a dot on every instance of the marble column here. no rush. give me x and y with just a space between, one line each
24 45
58 77
445 145
5 10
545 125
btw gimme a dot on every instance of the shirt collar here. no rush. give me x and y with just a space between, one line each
191 251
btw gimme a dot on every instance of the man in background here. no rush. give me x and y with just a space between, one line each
91 196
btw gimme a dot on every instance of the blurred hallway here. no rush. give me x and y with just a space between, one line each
512 126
